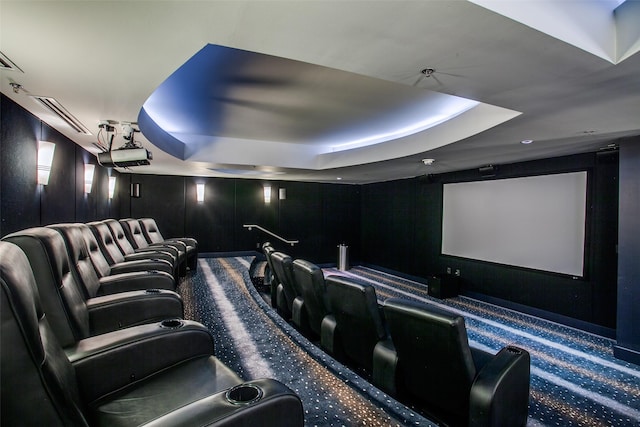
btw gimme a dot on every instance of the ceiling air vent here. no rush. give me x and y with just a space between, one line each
7 64
55 107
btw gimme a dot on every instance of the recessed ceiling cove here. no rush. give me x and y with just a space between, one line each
232 106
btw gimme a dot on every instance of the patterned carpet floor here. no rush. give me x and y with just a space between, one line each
575 380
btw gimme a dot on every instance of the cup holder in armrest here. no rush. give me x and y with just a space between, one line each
243 394
152 272
171 323
152 291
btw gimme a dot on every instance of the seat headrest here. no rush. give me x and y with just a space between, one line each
19 285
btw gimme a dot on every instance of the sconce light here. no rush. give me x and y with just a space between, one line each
282 193
112 186
200 192
267 194
45 159
135 190
88 177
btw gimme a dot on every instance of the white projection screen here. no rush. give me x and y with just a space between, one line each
534 222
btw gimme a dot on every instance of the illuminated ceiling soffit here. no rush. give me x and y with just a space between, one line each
230 106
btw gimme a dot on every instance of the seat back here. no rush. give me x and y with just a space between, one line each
119 236
359 320
282 263
37 380
435 363
310 281
107 243
134 234
273 279
150 230
60 293
81 263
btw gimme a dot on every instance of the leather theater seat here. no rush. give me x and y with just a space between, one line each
286 291
152 234
270 273
73 312
133 231
117 248
93 271
313 302
356 326
161 377
452 382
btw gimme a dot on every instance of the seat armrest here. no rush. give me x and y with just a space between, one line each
108 362
154 252
136 281
329 334
112 312
300 316
165 248
277 406
142 265
385 362
499 395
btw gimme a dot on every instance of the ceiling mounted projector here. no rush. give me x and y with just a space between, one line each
125 157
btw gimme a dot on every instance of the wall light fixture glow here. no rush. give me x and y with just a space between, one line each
200 192
112 186
282 193
45 159
88 177
267 193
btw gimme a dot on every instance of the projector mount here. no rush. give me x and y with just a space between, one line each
131 153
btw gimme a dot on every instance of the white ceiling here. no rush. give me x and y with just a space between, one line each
103 60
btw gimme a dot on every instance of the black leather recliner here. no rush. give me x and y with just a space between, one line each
152 234
286 291
133 231
117 248
164 377
313 301
74 316
93 271
356 326
270 275
454 383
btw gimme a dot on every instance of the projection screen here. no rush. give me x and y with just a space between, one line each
534 222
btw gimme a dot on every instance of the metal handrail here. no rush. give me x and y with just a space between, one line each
290 242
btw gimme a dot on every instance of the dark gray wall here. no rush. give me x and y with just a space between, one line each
410 242
628 332
23 202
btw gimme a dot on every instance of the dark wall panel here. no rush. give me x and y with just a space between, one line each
24 202
341 222
401 230
628 332
162 197
19 133
211 222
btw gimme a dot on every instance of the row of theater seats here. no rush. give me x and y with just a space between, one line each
90 337
414 351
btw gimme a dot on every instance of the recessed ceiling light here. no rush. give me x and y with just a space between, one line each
339 178
428 162
526 141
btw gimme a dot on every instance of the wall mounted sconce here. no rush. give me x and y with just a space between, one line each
112 186
200 192
45 159
88 177
135 190
267 193
282 193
